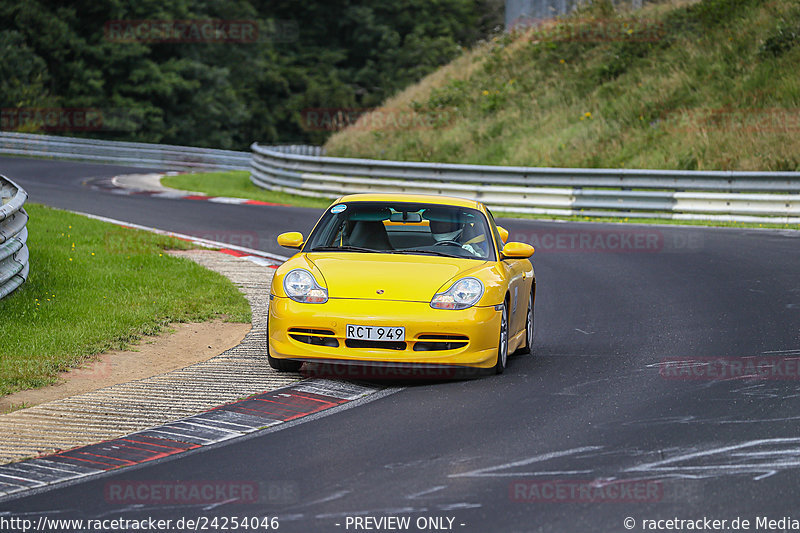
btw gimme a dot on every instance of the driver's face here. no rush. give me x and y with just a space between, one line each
445 231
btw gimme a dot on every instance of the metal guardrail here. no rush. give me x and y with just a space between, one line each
299 169
666 194
14 264
157 156
297 149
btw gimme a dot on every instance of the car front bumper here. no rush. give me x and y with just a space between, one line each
316 332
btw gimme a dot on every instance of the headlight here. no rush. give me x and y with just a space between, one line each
464 293
301 286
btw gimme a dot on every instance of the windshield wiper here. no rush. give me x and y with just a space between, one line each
343 249
429 252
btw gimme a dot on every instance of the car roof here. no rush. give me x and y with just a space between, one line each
416 198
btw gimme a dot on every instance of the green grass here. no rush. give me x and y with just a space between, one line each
710 85
95 286
237 184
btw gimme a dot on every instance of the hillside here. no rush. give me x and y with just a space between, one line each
706 85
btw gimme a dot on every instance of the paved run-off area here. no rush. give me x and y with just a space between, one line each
129 407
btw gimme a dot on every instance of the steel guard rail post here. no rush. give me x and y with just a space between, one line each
736 196
14 264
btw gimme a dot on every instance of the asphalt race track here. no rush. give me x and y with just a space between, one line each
606 421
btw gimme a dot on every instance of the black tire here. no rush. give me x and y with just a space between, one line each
529 329
502 344
281 365
284 365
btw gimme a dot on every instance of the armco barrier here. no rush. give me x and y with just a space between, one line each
700 195
156 156
146 155
668 194
14 264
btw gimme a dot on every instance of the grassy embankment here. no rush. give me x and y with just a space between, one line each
95 286
713 85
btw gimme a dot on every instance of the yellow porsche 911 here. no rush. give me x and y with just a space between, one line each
404 281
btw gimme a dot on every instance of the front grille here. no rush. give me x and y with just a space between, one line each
380 345
317 337
440 342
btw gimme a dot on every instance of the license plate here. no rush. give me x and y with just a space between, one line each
376 333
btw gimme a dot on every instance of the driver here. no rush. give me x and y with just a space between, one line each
449 228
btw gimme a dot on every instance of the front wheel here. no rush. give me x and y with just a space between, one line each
284 365
502 345
529 331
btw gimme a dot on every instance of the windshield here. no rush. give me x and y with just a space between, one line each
413 228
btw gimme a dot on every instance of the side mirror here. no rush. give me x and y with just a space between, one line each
292 239
503 233
517 250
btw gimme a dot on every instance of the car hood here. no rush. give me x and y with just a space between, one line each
400 277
